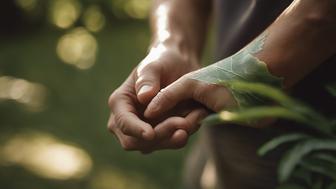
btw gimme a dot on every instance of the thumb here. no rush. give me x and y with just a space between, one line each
147 85
167 98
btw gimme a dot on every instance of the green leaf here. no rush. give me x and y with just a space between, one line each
290 186
325 157
242 66
318 184
331 88
332 185
252 115
311 117
297 153
321 167
281 140
263 90
303 176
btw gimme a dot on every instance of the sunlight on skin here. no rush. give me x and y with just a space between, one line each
111 178
32 95
78 48
162 23
154 54
93 18
209 178
291 7
46 156
64 13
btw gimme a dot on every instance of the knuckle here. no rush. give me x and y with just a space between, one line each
113 98
124 129
120 121
190 127
111 124
145 66
110 127
127 145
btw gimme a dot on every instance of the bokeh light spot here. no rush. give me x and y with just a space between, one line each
46 156
93 18
32 95
209 176
64 13
27 5
108 178
78 48
138 9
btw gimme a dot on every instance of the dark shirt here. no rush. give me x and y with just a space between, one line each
234 147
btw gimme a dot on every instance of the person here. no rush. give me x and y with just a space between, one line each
160 104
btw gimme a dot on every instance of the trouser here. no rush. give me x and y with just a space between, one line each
233 150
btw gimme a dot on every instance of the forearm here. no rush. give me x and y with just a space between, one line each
302 38
180 24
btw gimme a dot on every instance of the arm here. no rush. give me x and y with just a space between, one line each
301 39
181 24
178 29
178 34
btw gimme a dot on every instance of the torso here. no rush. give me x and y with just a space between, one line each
234 147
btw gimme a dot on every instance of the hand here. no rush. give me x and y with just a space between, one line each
214 97
126 121
163 65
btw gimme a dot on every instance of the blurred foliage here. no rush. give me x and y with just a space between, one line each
310 161
94 15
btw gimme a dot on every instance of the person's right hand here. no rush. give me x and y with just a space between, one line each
162 66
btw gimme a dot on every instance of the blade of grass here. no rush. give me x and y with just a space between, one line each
274 143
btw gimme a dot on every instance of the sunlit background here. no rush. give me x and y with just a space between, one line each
59 62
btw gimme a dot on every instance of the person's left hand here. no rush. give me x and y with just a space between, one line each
167 131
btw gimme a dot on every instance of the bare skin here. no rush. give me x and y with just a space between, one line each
177 42
300 40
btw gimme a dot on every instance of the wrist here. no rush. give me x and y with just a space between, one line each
179 46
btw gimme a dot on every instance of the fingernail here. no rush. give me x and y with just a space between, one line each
144 89
151 108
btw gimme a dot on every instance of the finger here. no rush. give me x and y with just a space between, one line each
214 97
167 128
178 140
128 143
168 97
148 83
111 125
189 124
194 118
127 121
